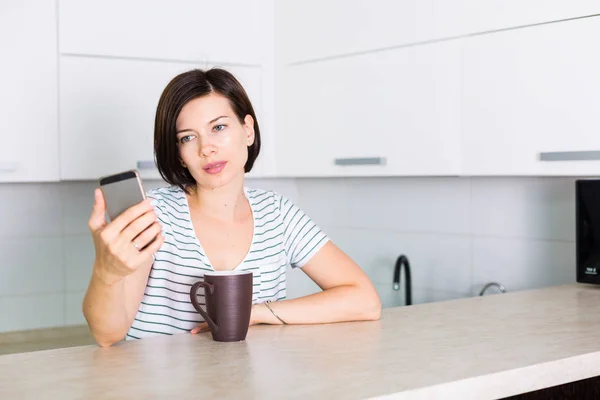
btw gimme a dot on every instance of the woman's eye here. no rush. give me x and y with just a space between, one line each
186 139
219 127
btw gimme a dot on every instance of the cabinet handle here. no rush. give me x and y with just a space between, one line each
590 155
146 164
8 166
360 161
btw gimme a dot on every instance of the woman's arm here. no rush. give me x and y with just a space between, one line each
348 294
120 270
110 307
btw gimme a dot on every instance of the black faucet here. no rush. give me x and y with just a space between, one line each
403 261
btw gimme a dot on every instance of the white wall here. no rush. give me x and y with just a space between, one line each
457 232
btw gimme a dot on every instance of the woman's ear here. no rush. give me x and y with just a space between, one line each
249 128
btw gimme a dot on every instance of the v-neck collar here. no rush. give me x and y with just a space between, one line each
206 261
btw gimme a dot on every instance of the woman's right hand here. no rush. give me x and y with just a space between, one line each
120 244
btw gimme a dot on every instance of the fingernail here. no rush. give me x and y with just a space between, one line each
154 203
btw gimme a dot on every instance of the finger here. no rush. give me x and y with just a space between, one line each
149 234
136 256
154 246
97 219
130 215
203 327
139 225
123 243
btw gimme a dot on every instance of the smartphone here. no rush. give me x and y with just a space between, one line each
122 191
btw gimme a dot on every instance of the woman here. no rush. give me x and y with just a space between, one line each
206 138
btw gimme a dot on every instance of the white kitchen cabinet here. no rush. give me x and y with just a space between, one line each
343 116
107 110
224 31
529 94
28 82
316 29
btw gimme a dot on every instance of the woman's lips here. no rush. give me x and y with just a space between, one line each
214 168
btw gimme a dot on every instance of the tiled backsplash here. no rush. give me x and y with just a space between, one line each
458 233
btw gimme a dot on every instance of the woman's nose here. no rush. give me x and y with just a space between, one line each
207 148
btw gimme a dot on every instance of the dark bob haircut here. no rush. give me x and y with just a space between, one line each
180 90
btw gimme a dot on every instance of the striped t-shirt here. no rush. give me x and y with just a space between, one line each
283 236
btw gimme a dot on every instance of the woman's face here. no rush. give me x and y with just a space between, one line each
213 144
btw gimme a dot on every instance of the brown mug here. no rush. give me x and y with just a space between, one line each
228 296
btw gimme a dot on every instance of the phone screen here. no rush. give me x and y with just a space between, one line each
121 191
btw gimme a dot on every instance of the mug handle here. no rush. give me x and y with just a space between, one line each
194 298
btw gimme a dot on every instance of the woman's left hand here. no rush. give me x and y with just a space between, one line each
203 327
254 320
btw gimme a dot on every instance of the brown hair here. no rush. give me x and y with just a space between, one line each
180 90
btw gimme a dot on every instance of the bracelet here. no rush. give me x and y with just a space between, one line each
272 312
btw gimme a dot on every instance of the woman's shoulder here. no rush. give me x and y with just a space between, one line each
263 198
169 201
171 208
168 194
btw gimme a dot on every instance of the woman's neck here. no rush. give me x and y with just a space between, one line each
225 203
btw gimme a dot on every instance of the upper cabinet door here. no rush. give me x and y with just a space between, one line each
107 111
384 113
118 56
224 31
28 82
316 29
531 101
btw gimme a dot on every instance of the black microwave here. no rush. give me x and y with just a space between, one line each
587 234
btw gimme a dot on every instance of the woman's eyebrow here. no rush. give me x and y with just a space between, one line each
209 122
216 119
184 130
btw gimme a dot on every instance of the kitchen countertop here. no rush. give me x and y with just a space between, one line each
480 347
45 338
